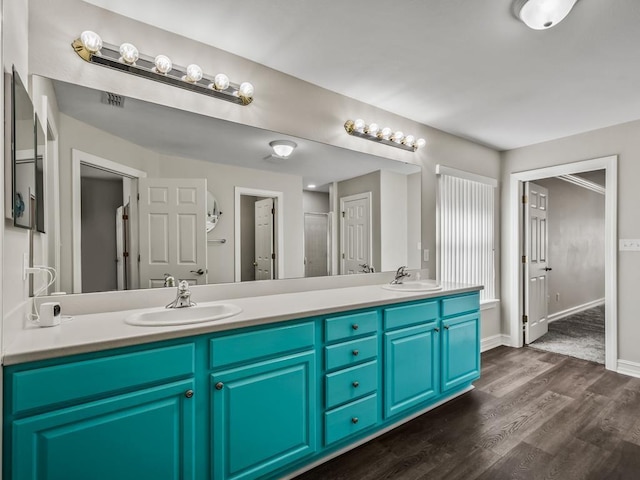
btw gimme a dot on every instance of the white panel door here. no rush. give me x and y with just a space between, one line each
536 269
264 251
355 234
173 238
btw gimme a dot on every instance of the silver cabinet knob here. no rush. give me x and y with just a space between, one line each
219 386
436 329
446 327
354 420
355 326
188 393
356 353
356 384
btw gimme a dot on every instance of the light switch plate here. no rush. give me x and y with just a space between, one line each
425 255
629 245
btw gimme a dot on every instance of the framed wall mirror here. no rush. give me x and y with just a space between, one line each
141 186
23 156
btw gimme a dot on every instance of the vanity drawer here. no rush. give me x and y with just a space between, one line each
83 380
350 326
345 385
243 347
458 305
352 418
349 353
396 317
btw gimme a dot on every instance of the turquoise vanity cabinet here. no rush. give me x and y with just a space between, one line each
126 416
251 403
263 400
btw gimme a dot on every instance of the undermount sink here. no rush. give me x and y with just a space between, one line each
160 317
414 286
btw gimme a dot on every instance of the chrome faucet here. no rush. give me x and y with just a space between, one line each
169 280
366 268
401 274
183 299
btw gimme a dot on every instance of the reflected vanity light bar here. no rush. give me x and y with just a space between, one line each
386 136
126 58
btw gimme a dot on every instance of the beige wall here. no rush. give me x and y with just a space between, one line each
576 245
624 141
315 202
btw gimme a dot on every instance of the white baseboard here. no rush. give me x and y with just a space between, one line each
626 367
573 310
494 341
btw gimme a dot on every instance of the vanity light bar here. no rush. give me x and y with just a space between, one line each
373 132
126 58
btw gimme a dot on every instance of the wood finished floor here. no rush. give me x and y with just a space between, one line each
533 415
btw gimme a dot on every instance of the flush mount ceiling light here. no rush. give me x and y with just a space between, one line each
542 14
126 58
282 148
358 128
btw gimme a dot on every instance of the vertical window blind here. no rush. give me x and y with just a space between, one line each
466 229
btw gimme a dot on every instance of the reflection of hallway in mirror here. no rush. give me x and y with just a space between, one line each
317 238
257 238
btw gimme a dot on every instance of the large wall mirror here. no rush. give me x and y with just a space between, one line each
148 191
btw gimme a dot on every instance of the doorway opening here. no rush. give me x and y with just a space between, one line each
258 234
564 285
518 243
105 234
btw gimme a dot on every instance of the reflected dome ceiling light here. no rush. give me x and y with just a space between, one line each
542 14
283 148
126 58
373 132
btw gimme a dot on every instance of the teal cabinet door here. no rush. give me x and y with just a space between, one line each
146 434
460 351
411 367
263 416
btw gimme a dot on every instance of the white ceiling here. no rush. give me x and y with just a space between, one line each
179 133
466 67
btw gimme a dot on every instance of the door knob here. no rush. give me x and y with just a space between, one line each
255 264
547 269
198 272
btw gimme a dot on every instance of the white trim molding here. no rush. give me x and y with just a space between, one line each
583 182
626 367
279 219
514 278
573 310
494 341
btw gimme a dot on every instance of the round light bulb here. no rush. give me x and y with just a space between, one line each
397 137
91 41
373 129
163 64
409 140
245 91
129 53
194 73
421 142
220 82
358 125
385 133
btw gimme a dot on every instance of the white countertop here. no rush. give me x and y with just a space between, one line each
101 331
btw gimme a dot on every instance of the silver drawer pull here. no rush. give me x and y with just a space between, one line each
356 353
356 384
188 393
354 420
436 329
219 386
355 326
446 327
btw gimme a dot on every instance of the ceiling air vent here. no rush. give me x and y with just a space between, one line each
112 99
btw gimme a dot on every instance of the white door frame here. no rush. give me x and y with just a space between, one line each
349 198
78 158
279 230
514 281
